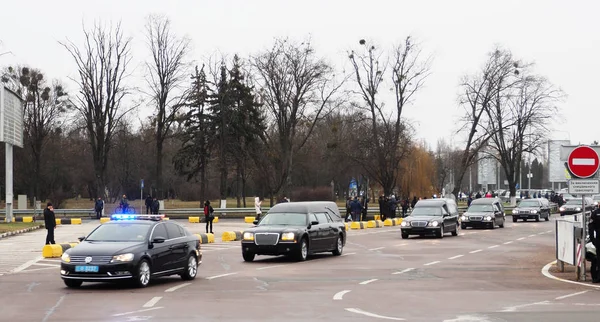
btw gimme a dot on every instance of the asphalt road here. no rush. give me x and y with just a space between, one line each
481 275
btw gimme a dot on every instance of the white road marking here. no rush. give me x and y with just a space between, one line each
542 233
455 257
508 242
521 238
36 269
545 272
153 301
222 275
378 248
570 295
347 254
494 246
139 311
469 318
29 263
532 235
269 267
44 264
373 315
403 271
340 295
548 231
475 251
404 244
368 281
432 263
514 308
422 241
52 309
175 288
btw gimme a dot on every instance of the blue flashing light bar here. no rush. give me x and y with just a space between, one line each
136 217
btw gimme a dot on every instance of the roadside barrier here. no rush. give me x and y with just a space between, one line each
56 250
68 221
232 236
205 238
21 219
377 217
358 225
347 224
249 220
392 222
104 220
374 224
197 220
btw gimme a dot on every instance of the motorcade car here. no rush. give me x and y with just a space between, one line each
574 206
532 209
484 213
133 248
431 217
296 229
596 200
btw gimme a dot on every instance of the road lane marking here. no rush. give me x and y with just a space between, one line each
570 295
494 246
532 235
153 301
340 295
175 288
378 248
373 315
347 254
422 241
269 267
521 238
368 281
548 231
475 251
508 242
432 263
404 244
52 309
455 257
27 264
44 264
546 272
36 269
222 275
139 311
403 271
514 308
541 233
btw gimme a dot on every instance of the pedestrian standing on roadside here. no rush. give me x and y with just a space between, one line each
148 203
50 223
257 203
99 206
155 206
209 216
356 209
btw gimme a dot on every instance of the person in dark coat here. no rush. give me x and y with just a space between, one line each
209 216
148 203
99 206
414 202
50 223
356 209
594 233
404 207
155 206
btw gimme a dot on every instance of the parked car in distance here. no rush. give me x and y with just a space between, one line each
484 212
431 217
532 209
297 229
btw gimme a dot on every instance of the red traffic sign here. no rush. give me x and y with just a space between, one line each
583 162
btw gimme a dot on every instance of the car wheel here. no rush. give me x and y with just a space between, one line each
191 269
72 283
463 226
248 256
142 278
339 246
515 219
455 231
404 236
440 233
493 225
303 250
502 224
537 218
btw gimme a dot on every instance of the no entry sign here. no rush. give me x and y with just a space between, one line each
583 162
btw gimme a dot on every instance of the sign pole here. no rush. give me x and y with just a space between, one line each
9 182
142 196
583 238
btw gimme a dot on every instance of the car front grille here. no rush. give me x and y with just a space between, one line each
476 218
95 259
266 239
524 212
418 223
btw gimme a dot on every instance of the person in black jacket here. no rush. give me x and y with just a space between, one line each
99 206
155 206
149 203
594 233
50 223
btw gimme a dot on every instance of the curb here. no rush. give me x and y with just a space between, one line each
18 232
68 221
198 220
205 238
56 250
228 236
546 272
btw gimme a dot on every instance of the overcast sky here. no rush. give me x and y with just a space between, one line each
562 37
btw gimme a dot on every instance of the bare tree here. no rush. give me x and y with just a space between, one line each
167 71
102 65
298 90
388 141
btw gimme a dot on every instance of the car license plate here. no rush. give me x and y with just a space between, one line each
86 269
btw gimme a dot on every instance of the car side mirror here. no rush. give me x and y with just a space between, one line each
255 222
82 238
314 222
158 240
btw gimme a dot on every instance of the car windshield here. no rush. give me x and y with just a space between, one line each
481 208
287 219
574 202
596 198
426 211
526 203
567 196
122 232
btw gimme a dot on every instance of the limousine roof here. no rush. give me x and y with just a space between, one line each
306 207
431 202
485 201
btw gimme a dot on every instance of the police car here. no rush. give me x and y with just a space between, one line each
133 248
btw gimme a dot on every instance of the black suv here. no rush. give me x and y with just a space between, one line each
532 209
431 217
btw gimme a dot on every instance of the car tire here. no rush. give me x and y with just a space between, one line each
339 246
143 274
502 224
73 283
537 219
248 256
440 233
303 250
455 231
463 226
191 269
515 219
404 236
493 225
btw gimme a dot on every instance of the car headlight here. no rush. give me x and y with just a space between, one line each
515 211
464 218
288 236
404 224
65 258
248 236
562 209
122 258
578 209
534 211
488 218
434 223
